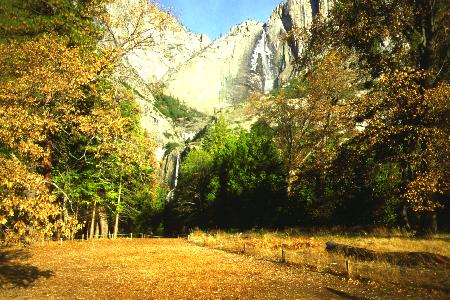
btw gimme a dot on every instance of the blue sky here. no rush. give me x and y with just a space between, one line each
215 17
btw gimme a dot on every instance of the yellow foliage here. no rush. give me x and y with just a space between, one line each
311 114
51 85
26 207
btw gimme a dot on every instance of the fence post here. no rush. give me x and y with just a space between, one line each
347 268
283 255
131 236
60 242
245 247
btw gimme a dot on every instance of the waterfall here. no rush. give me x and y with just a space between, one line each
262 54
177 168
175 182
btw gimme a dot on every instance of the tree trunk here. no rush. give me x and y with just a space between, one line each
91 233
116 224
427 50
97 229
428 224
404 214
434 224
47 163
103 222
406 178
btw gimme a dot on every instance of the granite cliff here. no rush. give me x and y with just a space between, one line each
253 56
215 76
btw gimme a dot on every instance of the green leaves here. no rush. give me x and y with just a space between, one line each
63 117
173 108
236 180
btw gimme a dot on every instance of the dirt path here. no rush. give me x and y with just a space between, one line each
167 269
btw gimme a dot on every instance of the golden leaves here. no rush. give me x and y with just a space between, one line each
423 192
133 25
311 115
42 88
26 204
411 119
52 86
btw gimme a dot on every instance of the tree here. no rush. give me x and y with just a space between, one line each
57 97
408 124
385 35
134 24
45 83
310 114
192 194
26 208
401 114
236 181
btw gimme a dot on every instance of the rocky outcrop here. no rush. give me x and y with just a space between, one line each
252 57
212 76
170 168
155 44
287 16
220 75
172 48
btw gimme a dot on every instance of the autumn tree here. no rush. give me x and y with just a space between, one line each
309 115
134 24
403 45
384 35
48 71
56 98
407 124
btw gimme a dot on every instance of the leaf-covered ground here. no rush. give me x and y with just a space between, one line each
169 269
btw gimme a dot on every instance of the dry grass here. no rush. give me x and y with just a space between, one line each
309 251
171 269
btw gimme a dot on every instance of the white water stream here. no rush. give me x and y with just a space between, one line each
263 50
177 169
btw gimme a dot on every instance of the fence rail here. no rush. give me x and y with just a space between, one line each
105 237
346 267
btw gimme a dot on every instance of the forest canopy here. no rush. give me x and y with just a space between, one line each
359 137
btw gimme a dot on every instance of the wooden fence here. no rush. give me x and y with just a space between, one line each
346 267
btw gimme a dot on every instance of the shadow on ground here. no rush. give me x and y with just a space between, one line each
342 294
15 273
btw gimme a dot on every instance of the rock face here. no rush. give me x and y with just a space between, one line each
161 49
288 15
220 75
252 57
162 129
212 76
172 50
